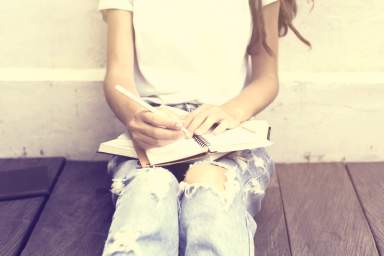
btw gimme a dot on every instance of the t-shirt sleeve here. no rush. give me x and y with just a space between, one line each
103 5
266 2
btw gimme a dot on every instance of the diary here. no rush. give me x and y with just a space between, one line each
252 133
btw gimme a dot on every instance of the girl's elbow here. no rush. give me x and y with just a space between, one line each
275 88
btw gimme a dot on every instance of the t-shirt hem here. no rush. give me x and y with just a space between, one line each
115 4
267 2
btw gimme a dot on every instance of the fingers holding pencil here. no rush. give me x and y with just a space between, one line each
178 123
164 120
153 130
152 126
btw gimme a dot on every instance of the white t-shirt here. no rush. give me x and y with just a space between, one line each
189 50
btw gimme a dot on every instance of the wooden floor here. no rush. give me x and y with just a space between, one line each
309 209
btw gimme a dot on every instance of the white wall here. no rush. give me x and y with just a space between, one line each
330 106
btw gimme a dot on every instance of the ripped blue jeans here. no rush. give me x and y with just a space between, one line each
158 214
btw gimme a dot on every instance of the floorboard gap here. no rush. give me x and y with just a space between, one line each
40 210
362 207
285 217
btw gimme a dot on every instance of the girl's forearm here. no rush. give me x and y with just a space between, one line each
252 99
123 107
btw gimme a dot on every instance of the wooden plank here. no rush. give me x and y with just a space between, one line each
323 214
77 215
271 236
368 179
53 164
17 217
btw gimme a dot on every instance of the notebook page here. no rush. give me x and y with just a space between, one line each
122 145
179 149
250 134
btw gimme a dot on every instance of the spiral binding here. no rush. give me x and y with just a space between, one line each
200 140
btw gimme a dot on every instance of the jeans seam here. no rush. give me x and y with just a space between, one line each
250 237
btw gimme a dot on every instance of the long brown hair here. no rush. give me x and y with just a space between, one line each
287 12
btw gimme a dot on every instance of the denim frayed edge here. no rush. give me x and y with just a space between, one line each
122 242
118 184
231 185
266 165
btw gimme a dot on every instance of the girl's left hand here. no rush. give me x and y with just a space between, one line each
205 116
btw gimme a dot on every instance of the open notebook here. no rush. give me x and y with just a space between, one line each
252 133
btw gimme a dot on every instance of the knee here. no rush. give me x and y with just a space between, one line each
155 181
155 177
159 174
207 174
206 179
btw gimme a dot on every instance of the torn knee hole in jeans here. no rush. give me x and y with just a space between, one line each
122 241
231 185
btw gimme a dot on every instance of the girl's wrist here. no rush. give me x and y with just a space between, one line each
236 111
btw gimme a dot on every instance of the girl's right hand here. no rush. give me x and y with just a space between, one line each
150 129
